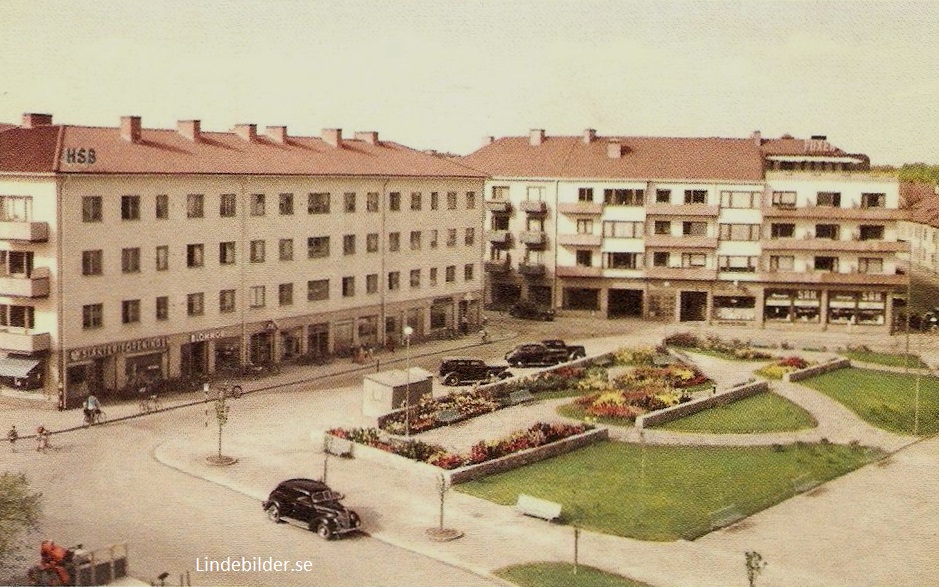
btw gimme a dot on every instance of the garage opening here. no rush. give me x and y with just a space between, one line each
623 303
581 298
693 306
505 294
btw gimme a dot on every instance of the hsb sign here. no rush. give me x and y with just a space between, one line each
81 156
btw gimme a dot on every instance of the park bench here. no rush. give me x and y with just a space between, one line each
520 396
538 508
725 517
448 416
339 447
662 360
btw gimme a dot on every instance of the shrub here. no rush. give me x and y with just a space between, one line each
633 356
682 339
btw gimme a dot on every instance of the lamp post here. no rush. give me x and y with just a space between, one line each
408 331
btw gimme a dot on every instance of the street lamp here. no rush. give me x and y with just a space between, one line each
408 331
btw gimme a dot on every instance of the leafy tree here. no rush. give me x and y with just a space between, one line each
19 512
221 416
755 566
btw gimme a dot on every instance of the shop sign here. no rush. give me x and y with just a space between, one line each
106 350
208 335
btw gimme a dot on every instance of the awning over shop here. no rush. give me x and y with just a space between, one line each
16 366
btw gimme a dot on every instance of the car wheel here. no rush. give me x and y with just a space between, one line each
236 391
451 379
273 513
505 375
324 531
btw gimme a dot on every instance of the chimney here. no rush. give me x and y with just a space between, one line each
614 150
757 138
589 135
247 132
369 136
189 129
487 141
536 137
130 128
333 136
278 134
32 120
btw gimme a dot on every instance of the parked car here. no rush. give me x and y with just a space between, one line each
460 370
313 505
531 311
547 352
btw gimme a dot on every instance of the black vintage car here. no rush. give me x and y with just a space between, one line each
313 505
546 352
456 371
531 311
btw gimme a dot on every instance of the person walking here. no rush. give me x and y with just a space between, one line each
42 438
12 435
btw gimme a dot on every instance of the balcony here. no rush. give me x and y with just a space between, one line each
849 246
496 267
534 239
581 208
24 231
578 271
21 286
533 206
23 340
682 210
499 206
580 240
679 273
832 278
686 241
532 269
498 237
833 213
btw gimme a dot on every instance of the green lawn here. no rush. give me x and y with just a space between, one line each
764 412
578 413
888 359
562 575
885 400
667 492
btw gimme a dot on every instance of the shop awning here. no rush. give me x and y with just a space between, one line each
16 366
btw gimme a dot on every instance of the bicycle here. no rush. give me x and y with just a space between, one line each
225 390
151 403
96 417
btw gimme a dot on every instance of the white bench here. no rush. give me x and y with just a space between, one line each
538 508
520 396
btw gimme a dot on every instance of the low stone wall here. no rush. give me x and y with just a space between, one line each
815 370
733 394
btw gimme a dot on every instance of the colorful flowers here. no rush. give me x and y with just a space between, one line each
782 366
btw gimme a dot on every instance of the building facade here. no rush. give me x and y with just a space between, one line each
750 231
132 254
921 228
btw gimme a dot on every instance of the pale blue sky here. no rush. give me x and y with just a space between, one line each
444 74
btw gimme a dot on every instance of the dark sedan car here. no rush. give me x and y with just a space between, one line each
456 371
531 311
313 505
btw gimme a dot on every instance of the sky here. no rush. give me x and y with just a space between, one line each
444 74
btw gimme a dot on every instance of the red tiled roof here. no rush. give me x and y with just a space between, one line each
644 158
792 146
168 152
921 201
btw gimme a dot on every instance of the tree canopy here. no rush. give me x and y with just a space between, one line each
19 512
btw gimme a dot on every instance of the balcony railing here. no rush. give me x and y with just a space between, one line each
832 278
687 241
581 208
496 266
23 340
24 231
499 206
498 237
533 238
580 240
578 271
533 206
833 213
681 210
678 273
856 245
531 269
21 286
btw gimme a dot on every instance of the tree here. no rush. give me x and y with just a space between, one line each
19 512
755 566
221 416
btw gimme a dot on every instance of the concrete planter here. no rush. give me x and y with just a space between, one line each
739 392
815 370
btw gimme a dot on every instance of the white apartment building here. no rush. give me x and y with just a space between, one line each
921 228
131 254
747 231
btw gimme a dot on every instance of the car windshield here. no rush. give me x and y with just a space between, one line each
321 496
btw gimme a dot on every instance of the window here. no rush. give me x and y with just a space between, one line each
694 228
256 294
415 240
92 316
371 242
740 232
434 200
195 206
285 204
450 274
394 201
468 272
226 253
348 244
371 283
692 260
451 200
317 289
470 200
782 230
317 246
162 207
870 265
194 255
92 262
621 229
584 258
348 202
500 222
226 301
433 276
738 264
501 192
534 193
130 207
415 278
469 238
17 316
433 238
584 226
451 237
740 199
394 280
623 260
415 201
660 259
534 224
696 196
828 199
285 294
91 209
394 241
162 258
371 202
782 263
195 304
318 203
258 251
662 227
228 206
258 204
130 260
828 231
15 208
285 249
663 196
826 264
623 197
871 233
130 311
348 287
584 194
784 199
873 200
163 308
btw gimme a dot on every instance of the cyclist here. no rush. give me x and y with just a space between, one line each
92 408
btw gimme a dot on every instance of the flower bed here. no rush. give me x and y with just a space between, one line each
645 389
735 349
784 365
424 415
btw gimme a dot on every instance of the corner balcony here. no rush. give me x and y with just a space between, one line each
578 271
35 232
534 239
581 208
682 210
498 237
533 207
496 267
21 286
532 269
23 340
499 206
580 240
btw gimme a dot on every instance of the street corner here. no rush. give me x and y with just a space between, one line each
188 455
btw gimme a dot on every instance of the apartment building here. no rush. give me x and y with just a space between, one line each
921 227
749 231
131 254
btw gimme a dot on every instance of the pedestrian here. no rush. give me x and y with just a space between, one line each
42 438
464 325
390 344
12 435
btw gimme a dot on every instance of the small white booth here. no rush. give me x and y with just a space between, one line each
386 391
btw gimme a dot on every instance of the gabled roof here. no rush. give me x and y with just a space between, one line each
643 158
